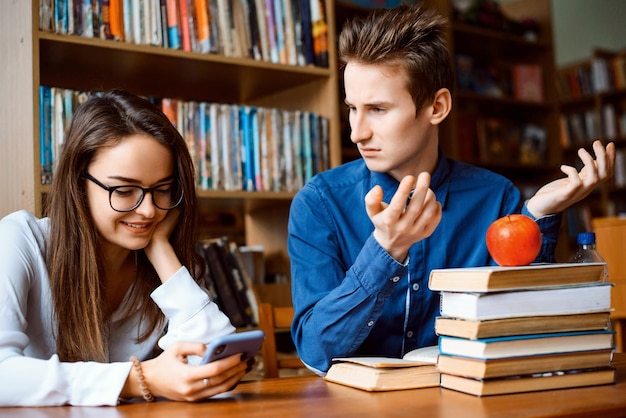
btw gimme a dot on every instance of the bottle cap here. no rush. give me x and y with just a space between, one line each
585 238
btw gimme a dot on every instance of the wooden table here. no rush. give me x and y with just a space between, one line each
311 396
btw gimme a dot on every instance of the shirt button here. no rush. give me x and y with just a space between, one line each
395 279
416 286
369 324
409 334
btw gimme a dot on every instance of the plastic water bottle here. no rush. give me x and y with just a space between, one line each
587 252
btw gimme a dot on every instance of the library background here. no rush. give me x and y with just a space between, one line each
257 93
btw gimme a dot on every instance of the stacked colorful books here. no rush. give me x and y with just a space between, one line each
523 329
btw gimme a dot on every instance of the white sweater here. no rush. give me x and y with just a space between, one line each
31 373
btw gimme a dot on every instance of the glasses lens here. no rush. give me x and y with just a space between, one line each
125 198
167 196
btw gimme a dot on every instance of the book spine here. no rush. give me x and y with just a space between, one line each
307 32
255 37
319 33
87 19
173 30
238 284
45 126
202 13
223 285
263 32
183 10
127 20
214 135
271 31
247 150
279 20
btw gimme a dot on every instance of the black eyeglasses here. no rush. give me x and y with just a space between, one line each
128 198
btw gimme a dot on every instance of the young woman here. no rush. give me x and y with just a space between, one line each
100 301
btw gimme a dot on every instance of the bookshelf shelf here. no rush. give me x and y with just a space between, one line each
90 64
469 96
65 60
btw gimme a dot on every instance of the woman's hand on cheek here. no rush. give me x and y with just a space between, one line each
159 250
165 228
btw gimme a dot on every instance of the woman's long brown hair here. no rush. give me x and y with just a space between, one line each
74 258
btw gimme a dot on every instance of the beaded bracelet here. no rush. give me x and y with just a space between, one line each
143 386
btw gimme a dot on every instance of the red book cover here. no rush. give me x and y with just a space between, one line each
527 82
184 25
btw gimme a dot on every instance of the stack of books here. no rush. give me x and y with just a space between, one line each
523 329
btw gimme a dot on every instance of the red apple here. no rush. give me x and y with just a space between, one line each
514 240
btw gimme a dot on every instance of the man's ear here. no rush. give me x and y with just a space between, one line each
442 104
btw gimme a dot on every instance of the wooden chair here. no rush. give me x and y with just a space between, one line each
611 244
271 320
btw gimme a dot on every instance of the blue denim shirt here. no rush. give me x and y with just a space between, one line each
350 296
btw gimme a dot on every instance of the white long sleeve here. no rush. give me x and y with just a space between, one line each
32 374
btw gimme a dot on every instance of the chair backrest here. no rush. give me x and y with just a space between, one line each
271 320
611 244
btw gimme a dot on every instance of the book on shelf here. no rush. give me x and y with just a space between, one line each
280 31
319 34
508 304
228 296
526 345
527 81
499 327
234 147
239 280
519 366
529 383
497 278
201 16
384 373
533 144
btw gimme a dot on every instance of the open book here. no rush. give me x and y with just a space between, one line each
416 370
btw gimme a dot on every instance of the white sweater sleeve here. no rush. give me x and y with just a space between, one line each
191 314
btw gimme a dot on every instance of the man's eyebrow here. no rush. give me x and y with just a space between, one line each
375 103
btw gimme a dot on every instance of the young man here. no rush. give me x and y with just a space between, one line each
364 236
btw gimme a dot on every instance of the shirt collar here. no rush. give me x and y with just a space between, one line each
439 183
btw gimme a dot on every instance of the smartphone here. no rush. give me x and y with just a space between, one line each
248 342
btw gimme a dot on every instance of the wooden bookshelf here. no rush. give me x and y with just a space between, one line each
499 50
35 58
592 95
526 150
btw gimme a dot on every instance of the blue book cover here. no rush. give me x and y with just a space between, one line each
248 121
307 31
258 129
45 133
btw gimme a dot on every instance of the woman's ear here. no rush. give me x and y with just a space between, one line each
442 104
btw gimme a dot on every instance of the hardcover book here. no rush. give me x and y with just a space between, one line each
474 329
514 366
526 345
554 301
416 369
531 383
495 278
382 373
527 80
